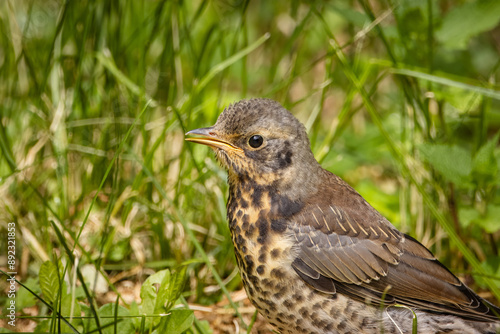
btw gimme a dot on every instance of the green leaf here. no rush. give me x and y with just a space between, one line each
119 251
488 222
490 267
159 293
163 294
453 162
68 311
175 286
134 312
24 298
50 285
205 326
107 319
169 290
468 216
49 280
149 294
176 322
43 326
485 166
463 22
149 291
462 99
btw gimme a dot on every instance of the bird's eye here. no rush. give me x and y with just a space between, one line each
255 141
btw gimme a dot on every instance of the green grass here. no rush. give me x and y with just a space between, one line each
400 99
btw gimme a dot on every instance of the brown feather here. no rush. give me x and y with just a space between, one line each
344 239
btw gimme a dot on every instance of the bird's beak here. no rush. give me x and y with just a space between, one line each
209 137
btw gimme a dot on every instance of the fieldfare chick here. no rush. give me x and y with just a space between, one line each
313 255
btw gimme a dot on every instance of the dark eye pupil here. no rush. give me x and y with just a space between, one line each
255 141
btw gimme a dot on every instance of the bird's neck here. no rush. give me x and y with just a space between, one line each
283 194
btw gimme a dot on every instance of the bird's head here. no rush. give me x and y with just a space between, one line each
260 140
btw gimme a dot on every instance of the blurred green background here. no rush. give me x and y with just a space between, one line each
400 98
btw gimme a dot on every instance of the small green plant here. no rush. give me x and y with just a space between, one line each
159 293
156 312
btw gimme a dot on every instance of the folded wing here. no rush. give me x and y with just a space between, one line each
360 254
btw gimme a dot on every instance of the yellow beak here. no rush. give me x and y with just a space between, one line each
210 138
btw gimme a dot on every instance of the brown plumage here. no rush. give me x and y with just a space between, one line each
313 254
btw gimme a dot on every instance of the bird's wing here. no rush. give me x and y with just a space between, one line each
348 247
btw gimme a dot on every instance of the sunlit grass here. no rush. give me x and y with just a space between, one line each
97 95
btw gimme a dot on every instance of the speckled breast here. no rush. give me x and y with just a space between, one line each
263 247
260 224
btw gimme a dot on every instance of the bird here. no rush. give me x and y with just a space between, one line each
314 256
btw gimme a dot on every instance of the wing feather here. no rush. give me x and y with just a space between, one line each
346 246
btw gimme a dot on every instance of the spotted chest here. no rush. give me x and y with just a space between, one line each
260 224
263 246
